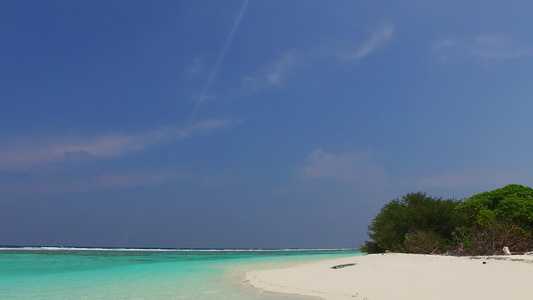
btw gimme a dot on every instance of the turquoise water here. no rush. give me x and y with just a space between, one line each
141 274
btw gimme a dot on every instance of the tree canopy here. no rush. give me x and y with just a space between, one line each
414 221
509 206
480 225
503 217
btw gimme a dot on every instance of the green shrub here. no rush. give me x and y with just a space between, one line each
503 217
371 247
415 218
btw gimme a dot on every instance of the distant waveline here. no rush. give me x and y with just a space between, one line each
220 60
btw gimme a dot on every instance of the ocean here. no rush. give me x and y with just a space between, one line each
90 273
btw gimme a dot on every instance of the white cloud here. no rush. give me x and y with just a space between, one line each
486 46
39 183
128 179
203 98
281 68
356 168
206 126
496 47
47 185
468 180
379 38
291 62
275 73
33 151
196 67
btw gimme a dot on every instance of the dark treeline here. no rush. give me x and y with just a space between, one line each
480 225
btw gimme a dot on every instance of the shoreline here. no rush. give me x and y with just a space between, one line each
403 276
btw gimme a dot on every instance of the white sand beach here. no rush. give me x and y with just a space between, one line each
404 276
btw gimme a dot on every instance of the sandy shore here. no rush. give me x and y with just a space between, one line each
404 276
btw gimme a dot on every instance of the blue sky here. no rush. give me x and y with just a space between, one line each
252 123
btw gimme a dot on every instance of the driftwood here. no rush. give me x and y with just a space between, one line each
343 266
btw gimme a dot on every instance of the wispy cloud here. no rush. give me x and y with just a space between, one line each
102 181
203 98
275 73
196 67
127 179
468 180
281 68
486 46
379 38
290 63
33 151
355 168
39 183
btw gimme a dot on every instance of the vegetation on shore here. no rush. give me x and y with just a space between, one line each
479 225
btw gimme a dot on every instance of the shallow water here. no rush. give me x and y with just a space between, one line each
141 274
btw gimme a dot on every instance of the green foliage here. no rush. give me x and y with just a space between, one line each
503 217
416 221
371 247
480 225
509 206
